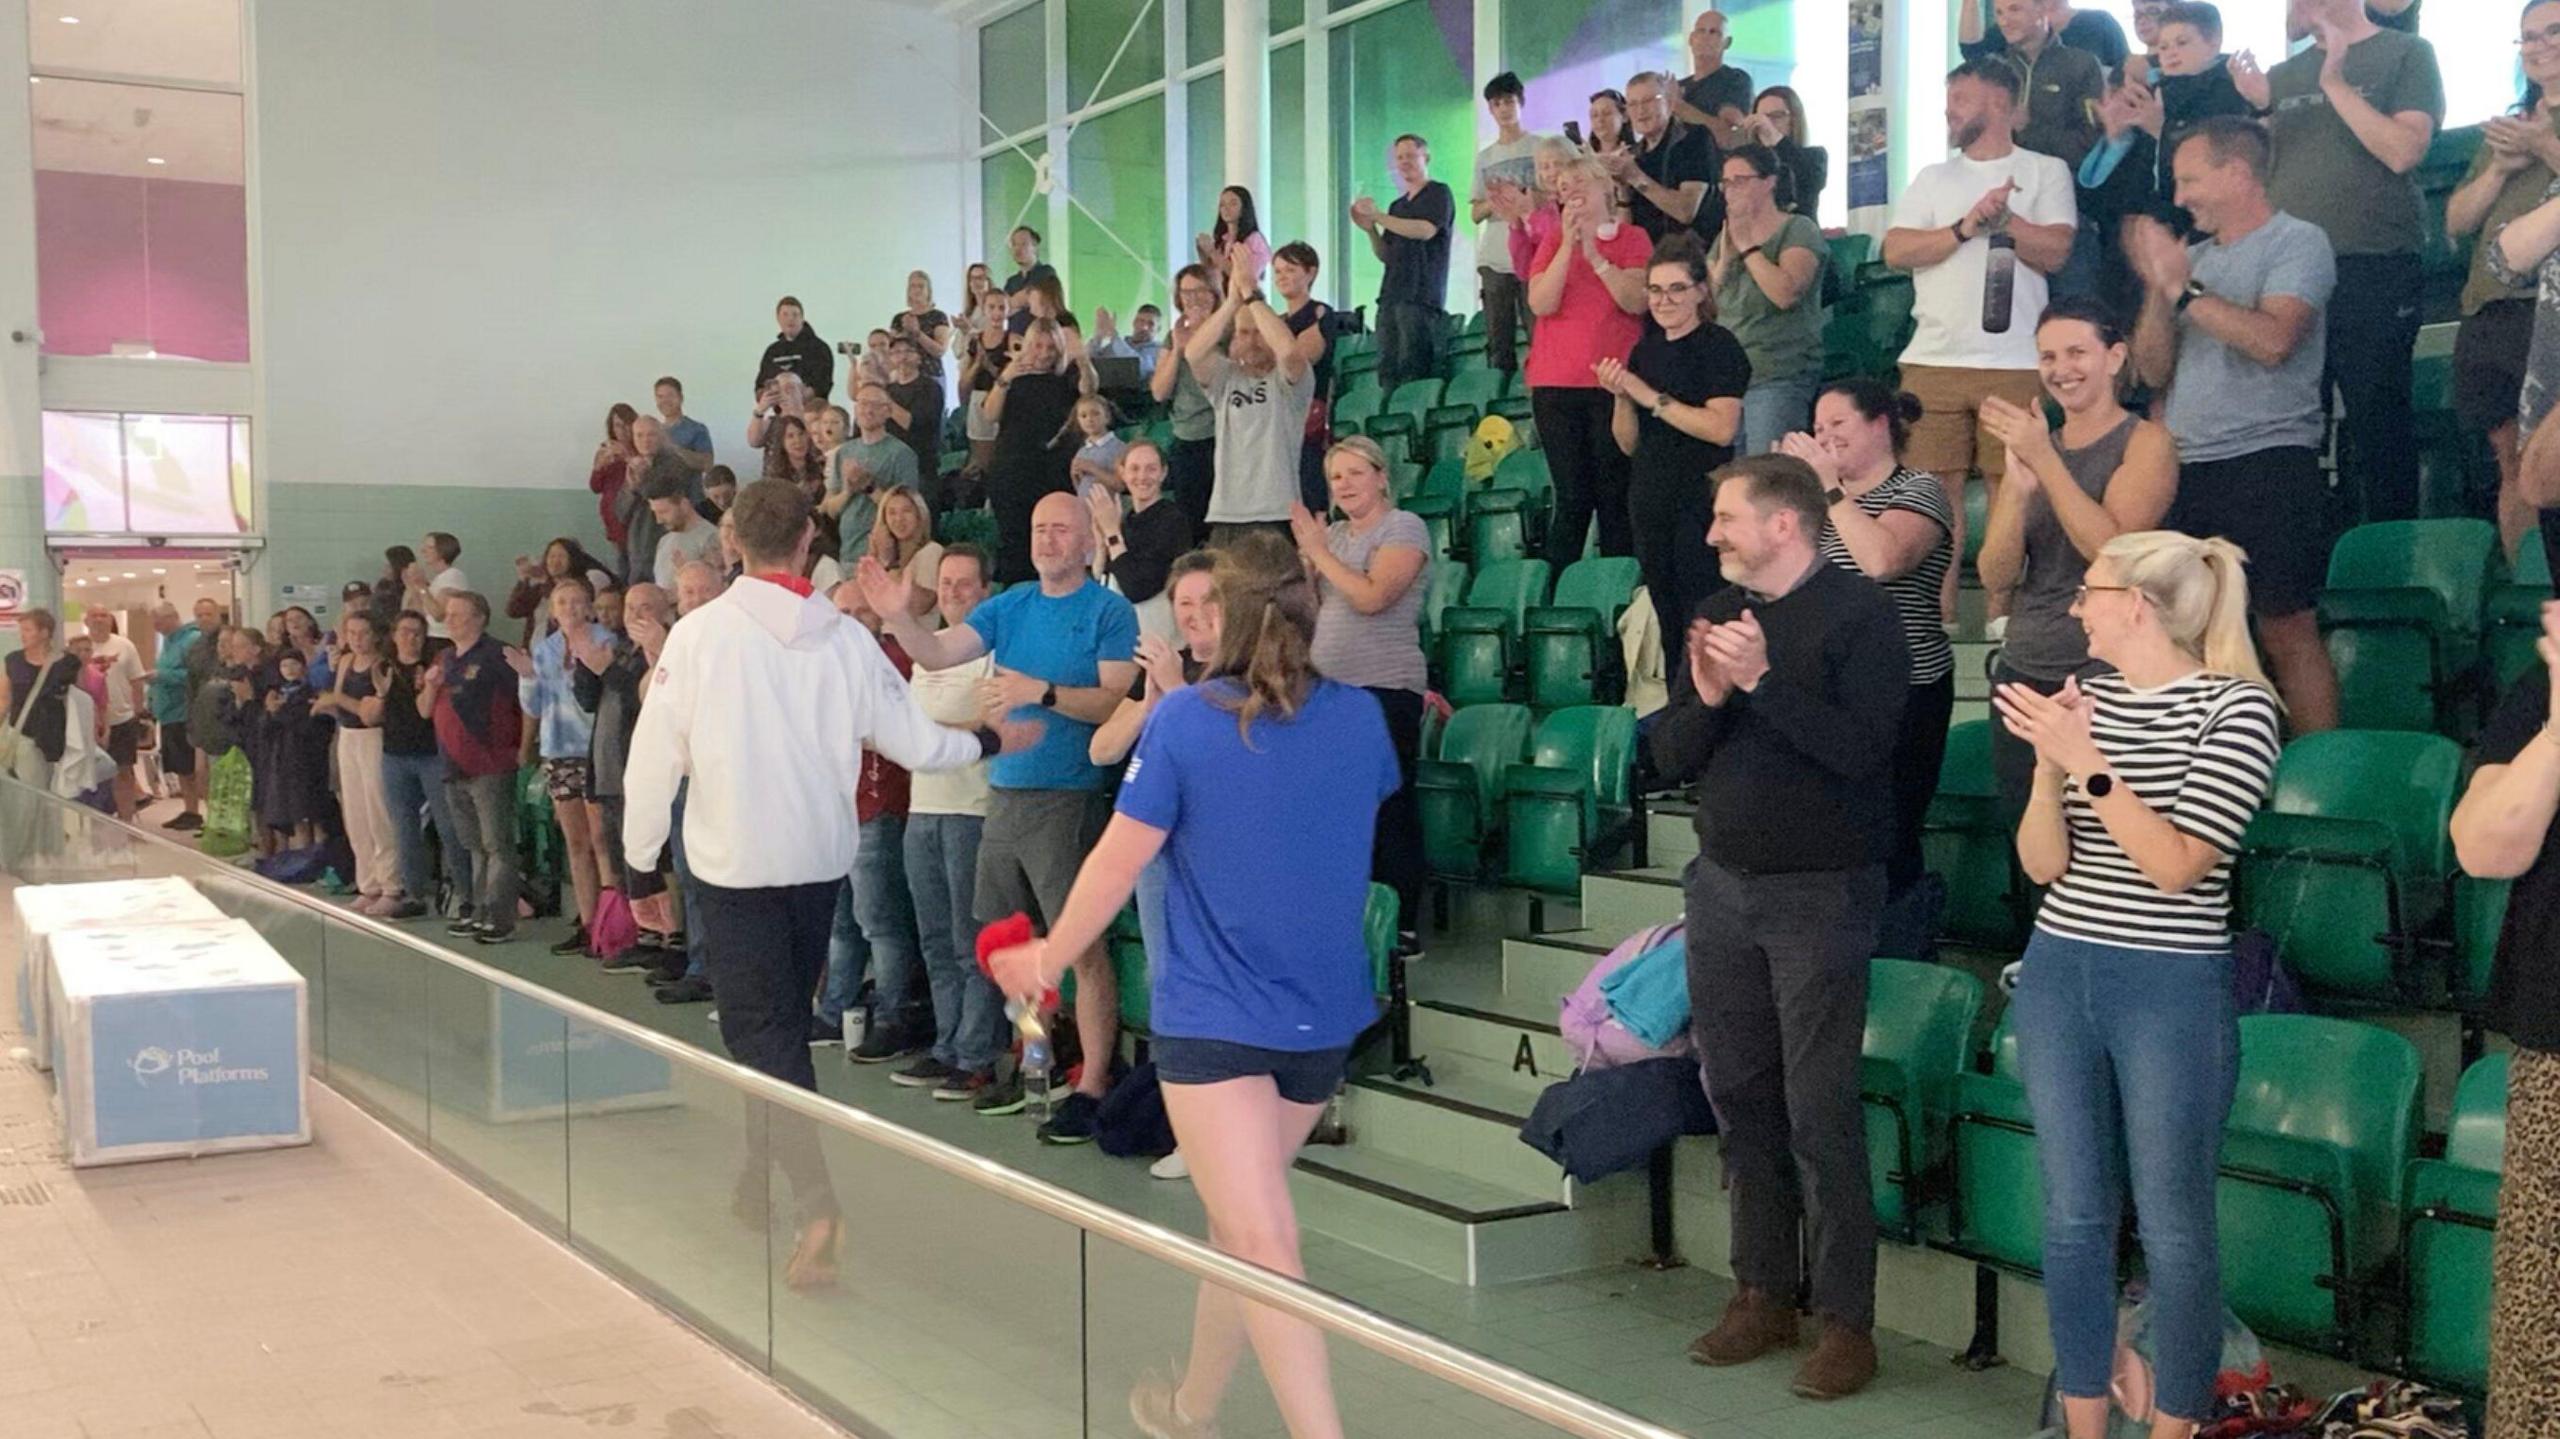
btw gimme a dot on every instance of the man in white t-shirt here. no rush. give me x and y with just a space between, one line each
1510 159
431 577
115 657
1261 385
1943 231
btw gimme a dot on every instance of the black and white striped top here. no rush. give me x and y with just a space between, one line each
2201 752
1915 595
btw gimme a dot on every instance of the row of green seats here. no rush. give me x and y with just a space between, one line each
1506 636
2407 611
1533 803
2321 1195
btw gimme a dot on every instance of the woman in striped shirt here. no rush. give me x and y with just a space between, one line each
1891 524
2145 778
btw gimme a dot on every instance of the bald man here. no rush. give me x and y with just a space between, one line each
1713 94
1065 652
697 584
170 690
652 459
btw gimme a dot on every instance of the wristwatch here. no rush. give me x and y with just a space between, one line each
1833 496
2194 291
2099 785
1957 230
1049 698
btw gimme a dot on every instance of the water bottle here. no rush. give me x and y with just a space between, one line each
1999 283
857 1027
1035 1053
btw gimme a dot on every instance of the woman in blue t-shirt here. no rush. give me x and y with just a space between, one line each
1262 768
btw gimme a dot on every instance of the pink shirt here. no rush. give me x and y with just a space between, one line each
1529 234
1588 326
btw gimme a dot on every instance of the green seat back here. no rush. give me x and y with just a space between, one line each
1378 931
1525 470
1476 388
2404 782
1594 742
1560 664
2452 1203
1967 843
1414 398
2477 1136
1919 1024
1998 1210
976 527
1357 405
1453 818
1444 586
1497 535
2343 1086
1546 828
2356 824
2455 560
1475 665
1602 585
2386 677
2479 913
1511 586
1488 739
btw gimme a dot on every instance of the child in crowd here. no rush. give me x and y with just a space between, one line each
1098 451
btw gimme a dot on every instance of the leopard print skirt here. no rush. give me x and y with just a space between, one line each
2524 1328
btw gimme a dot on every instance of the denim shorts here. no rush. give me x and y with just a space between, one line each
1303 1076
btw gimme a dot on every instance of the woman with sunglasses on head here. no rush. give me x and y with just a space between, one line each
2106 472
2127 1035
1677 413
1766 266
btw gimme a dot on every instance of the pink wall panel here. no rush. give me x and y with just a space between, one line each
157 262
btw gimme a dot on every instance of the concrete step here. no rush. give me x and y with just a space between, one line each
1465 1123
1518 1053
1543 970
1460 1228
1671 834
1621 902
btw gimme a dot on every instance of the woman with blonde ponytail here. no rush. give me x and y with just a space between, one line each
2145 778
1263 767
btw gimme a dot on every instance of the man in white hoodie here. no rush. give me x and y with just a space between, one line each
763 702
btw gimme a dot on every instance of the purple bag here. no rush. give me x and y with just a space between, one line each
1598 1040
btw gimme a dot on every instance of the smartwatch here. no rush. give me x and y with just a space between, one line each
990 744
2099 785
1833 496
2193 292
1049 698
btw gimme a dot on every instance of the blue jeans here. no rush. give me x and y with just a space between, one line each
875 932
687 891
1775 407
2130 1058
413 789
942 880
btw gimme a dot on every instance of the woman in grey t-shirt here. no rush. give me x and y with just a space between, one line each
1369 569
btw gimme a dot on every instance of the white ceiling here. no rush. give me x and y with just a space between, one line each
190 40
103 129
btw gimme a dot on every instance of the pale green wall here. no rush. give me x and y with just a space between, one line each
22 540
330 534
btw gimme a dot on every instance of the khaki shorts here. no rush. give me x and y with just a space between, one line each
1949 440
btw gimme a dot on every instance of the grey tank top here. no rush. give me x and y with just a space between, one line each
2044 642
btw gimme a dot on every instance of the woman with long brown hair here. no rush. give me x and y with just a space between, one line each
609 472
1263 767
902 541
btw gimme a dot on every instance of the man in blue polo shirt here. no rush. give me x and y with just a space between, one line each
687 438
1066 653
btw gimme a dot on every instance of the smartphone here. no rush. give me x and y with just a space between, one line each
1573 131
1999 283
849 347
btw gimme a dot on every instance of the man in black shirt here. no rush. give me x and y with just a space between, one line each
1714 96
2093 31
1785 711
1025 243
797 350
1411 237
1669 168
915 415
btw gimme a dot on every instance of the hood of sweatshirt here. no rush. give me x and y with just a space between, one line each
799 622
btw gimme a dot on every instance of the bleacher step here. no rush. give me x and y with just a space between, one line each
1457 1227
1544 969
1671 835
1620 902
1502 1048
1463 1123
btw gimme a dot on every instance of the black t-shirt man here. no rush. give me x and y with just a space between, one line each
1725 87
921 398
1014 283
1684 153
1418 270
2524 987
2406 22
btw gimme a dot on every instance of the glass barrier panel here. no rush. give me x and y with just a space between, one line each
291 929
496 1073
955 1312
375 1041
668 1191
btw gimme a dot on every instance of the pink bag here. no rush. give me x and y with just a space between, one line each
1597 1039
613 931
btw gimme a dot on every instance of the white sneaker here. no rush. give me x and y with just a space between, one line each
1170 1167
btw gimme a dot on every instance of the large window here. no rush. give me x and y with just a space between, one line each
145 474
1113 47
1206 102
1565 50
1116 218
1013 74
1284 210
1009 196
142 221
1404 69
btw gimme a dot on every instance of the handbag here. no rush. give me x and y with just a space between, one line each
13 735
613 931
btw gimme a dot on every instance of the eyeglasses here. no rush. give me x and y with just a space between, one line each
2087 590
1745 177
2547 35
1668 292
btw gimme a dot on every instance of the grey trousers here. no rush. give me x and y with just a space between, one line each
484 809
1778 989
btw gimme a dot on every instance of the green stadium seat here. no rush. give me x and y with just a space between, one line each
1467 395
2514 620
1966 842
2323 1127
1479 639
1919 1022
1401 420
1515 407
1997 1214
1446 585
2450 1211
1570 643
1378 922
2479 913
976 527
1357 405
2350 861
1510 514
2402 610
1460 786
1572 801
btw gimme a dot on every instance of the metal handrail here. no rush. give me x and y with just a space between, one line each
1521 1393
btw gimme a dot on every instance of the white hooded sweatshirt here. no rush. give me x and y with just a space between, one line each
766 700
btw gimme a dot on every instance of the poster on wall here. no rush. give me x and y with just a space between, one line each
13 593
1870 127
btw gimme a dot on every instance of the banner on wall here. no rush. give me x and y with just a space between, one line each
1870 123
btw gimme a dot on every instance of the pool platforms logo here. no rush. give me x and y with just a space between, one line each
192 1067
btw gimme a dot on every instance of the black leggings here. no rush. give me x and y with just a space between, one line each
1191 473
1396 858
1917 753
1590 472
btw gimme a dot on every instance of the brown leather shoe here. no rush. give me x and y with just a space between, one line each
1754 1323
1843 1362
